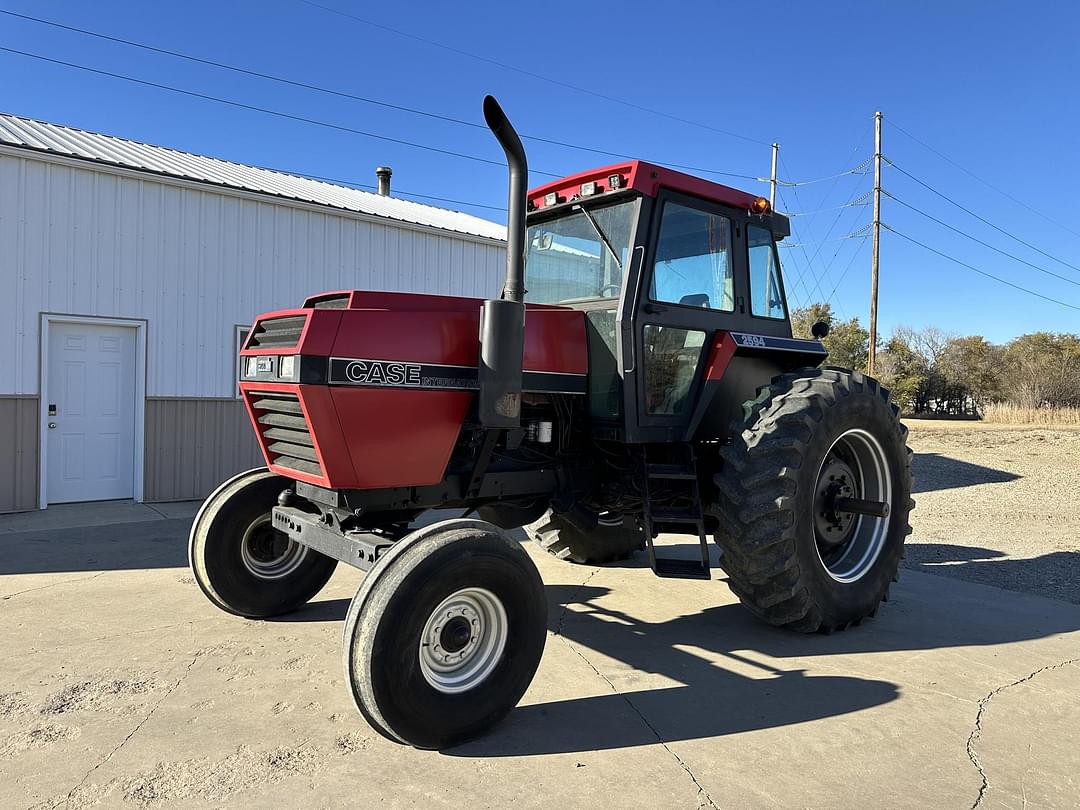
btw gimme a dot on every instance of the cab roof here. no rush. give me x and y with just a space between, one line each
646 178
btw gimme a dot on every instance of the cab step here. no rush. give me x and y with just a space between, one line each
685 474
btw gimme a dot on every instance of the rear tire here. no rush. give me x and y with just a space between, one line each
581 538
244 565
790 559
445 634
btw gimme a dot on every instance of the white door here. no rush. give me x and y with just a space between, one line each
90 407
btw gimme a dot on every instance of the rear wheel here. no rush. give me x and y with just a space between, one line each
586 538
445 634
241 562
811 447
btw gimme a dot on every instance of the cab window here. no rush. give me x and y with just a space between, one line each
766 300
693 259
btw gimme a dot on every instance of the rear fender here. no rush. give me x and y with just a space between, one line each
738 365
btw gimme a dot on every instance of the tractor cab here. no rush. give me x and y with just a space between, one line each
663 265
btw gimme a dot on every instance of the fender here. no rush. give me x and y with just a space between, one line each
733 372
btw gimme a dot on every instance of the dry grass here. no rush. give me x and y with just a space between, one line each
1008 414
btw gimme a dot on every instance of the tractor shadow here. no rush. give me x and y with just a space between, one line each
722 672
933 471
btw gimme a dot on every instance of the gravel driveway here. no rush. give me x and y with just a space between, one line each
998 505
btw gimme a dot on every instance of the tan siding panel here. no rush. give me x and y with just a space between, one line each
18 453
192 445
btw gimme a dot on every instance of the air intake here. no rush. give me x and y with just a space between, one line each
277 333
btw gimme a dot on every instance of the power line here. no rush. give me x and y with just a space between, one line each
524 72
862 201
980 241
265 110
352 96
851 261
860 169
986 183
981 272
985 221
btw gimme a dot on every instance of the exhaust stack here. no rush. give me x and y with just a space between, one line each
502 321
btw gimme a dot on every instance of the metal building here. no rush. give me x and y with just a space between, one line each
128 276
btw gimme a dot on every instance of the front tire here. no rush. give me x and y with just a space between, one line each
244 565
809 437
445 634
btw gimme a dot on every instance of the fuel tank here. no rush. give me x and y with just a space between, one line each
367 390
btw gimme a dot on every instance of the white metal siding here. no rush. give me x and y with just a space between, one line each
193 263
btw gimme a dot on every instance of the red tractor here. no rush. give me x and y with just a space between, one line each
636 376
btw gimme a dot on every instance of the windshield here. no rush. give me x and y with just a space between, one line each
579 257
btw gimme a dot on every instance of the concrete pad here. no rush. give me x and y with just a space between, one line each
121 686
94 513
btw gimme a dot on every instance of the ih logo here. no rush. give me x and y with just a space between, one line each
380 372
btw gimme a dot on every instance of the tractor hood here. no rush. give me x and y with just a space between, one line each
387 379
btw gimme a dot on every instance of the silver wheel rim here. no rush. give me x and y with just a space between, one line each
265 556
864 455
452 660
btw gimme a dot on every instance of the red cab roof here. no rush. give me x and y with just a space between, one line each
646 178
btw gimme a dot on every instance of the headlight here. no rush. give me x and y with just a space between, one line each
287 367
252 367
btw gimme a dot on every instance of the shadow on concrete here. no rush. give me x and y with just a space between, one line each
739 692
118 547
1055 575
932 471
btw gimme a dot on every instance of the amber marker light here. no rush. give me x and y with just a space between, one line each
759 206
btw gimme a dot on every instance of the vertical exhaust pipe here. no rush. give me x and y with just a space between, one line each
502 321
499 124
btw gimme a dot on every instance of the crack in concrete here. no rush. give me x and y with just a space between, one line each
139 725
976 732
704 799
52 585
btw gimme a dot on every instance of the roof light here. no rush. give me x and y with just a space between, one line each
588 189
615 182
551 199
759 206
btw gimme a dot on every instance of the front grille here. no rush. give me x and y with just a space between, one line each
285 431
277 333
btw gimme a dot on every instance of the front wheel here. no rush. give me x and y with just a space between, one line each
445 634
241 562
813 500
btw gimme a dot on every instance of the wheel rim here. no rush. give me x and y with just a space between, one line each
268 553
848 545
463 640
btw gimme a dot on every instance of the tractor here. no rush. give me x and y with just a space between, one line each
636 377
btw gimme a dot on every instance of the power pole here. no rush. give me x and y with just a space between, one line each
772 181
872 354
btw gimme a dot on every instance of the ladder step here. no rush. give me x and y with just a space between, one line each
675 516
675 472
681 569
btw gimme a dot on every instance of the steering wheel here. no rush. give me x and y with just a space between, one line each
613 287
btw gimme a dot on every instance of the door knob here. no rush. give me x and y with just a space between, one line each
52 425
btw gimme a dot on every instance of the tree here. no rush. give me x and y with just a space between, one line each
1043 368
972 366
904 372
848 343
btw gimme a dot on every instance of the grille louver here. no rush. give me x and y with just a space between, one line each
286 432
277 333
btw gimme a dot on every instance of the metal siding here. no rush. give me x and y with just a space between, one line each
18 453
193 264
192 445
68 142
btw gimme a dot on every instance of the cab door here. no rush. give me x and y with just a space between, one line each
691 285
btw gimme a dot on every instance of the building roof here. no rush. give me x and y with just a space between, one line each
70 142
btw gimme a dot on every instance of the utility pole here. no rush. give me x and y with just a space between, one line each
772 181
872 354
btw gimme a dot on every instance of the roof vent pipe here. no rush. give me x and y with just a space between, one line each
383 174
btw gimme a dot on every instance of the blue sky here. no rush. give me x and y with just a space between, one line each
990 85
